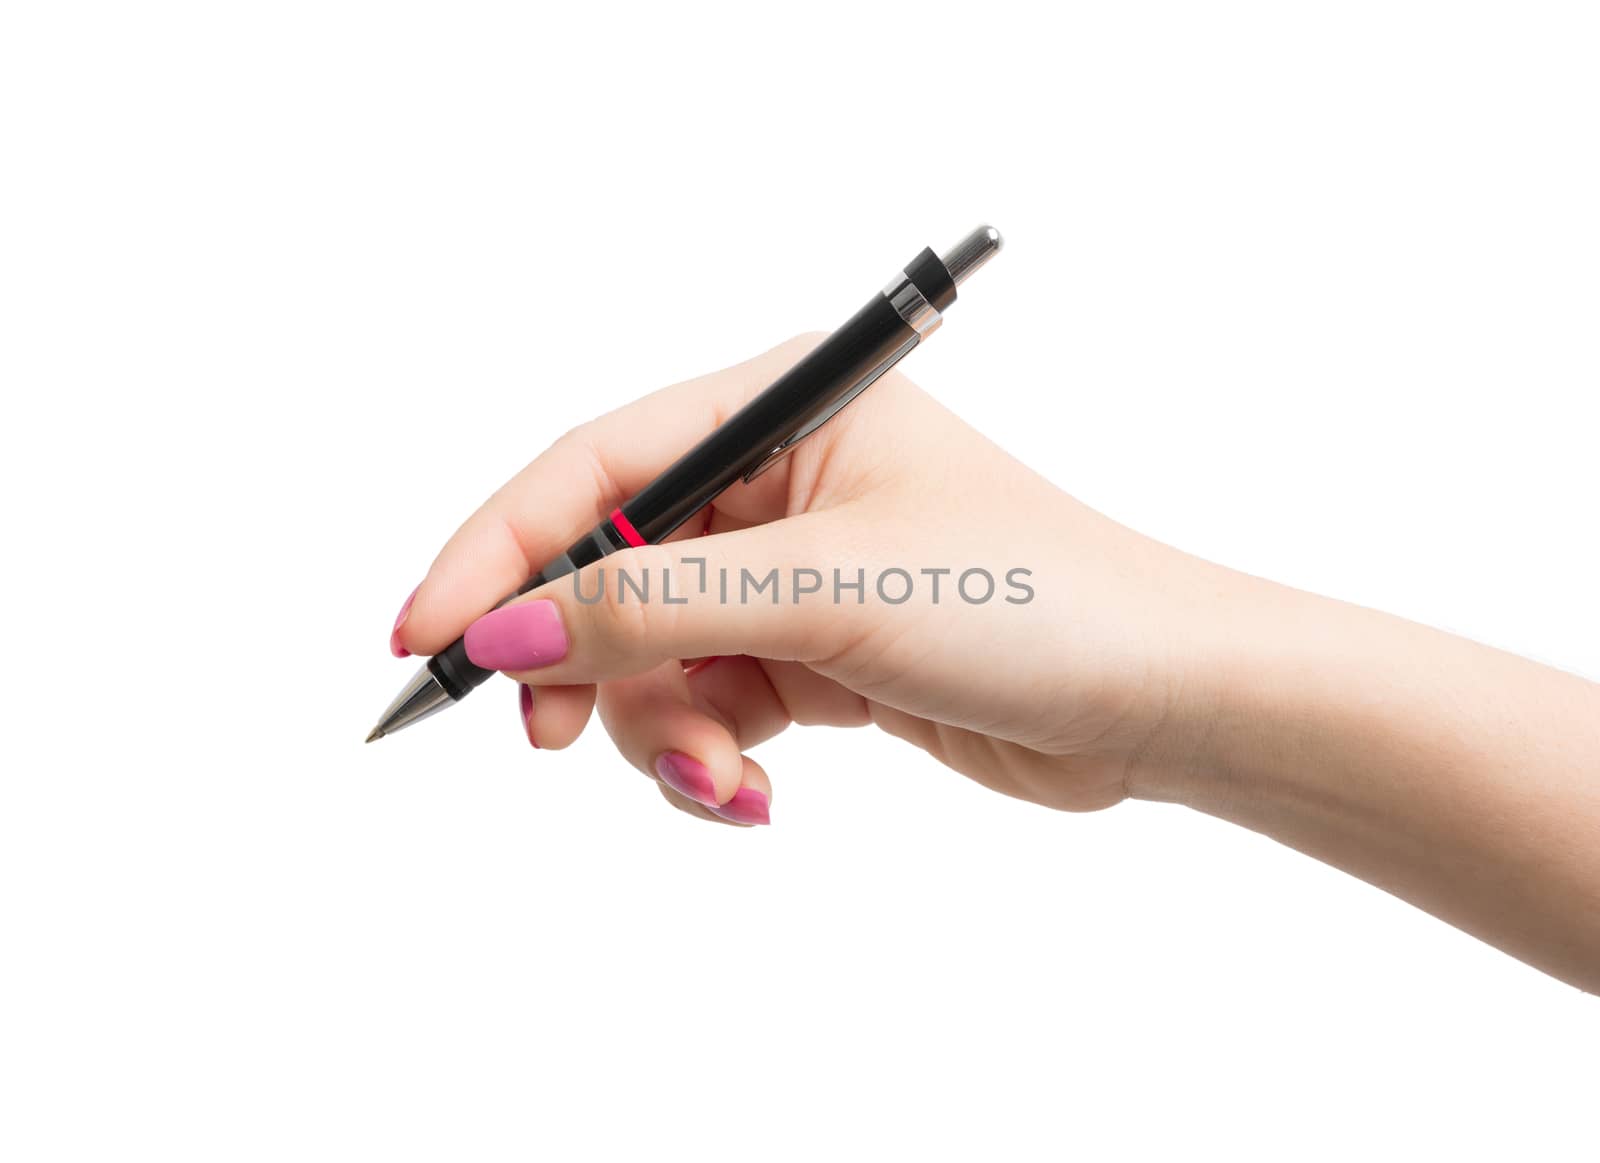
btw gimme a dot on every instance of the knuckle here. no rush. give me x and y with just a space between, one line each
573 440
577 434
631 611
621 617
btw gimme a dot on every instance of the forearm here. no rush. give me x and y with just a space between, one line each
1458 777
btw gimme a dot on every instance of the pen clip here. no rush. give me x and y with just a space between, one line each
832 410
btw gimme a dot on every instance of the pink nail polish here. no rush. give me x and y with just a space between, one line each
525 697
395 648
525 636
748 806
687 776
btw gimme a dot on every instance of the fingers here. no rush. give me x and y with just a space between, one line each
755 784
731 593
807 697
585 474
650 719
554 716
752 803
695 757
758 698
736 693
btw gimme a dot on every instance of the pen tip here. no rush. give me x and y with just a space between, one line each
377 733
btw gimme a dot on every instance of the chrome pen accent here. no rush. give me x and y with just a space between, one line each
912 306
419 698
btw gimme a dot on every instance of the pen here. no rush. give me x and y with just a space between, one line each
743 447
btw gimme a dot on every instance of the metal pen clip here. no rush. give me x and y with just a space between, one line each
831 411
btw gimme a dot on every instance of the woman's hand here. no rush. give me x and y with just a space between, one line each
1099 665
897 569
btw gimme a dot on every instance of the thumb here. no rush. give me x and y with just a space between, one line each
766 591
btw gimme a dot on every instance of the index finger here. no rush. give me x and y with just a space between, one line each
580 478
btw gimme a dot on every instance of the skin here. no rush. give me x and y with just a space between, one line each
1457 777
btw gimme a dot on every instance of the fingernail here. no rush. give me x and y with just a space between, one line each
520 637
687 776
748 806
526 699
395 648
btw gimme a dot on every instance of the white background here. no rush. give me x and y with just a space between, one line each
288 289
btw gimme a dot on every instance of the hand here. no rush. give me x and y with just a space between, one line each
1101 665
1048 674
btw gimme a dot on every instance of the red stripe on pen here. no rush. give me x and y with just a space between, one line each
625 527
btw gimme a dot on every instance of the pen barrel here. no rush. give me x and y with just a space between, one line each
814 387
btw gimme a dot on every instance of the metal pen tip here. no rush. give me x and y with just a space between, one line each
418 699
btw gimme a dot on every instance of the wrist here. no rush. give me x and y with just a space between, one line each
1267 677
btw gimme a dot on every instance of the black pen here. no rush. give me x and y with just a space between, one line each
748 443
